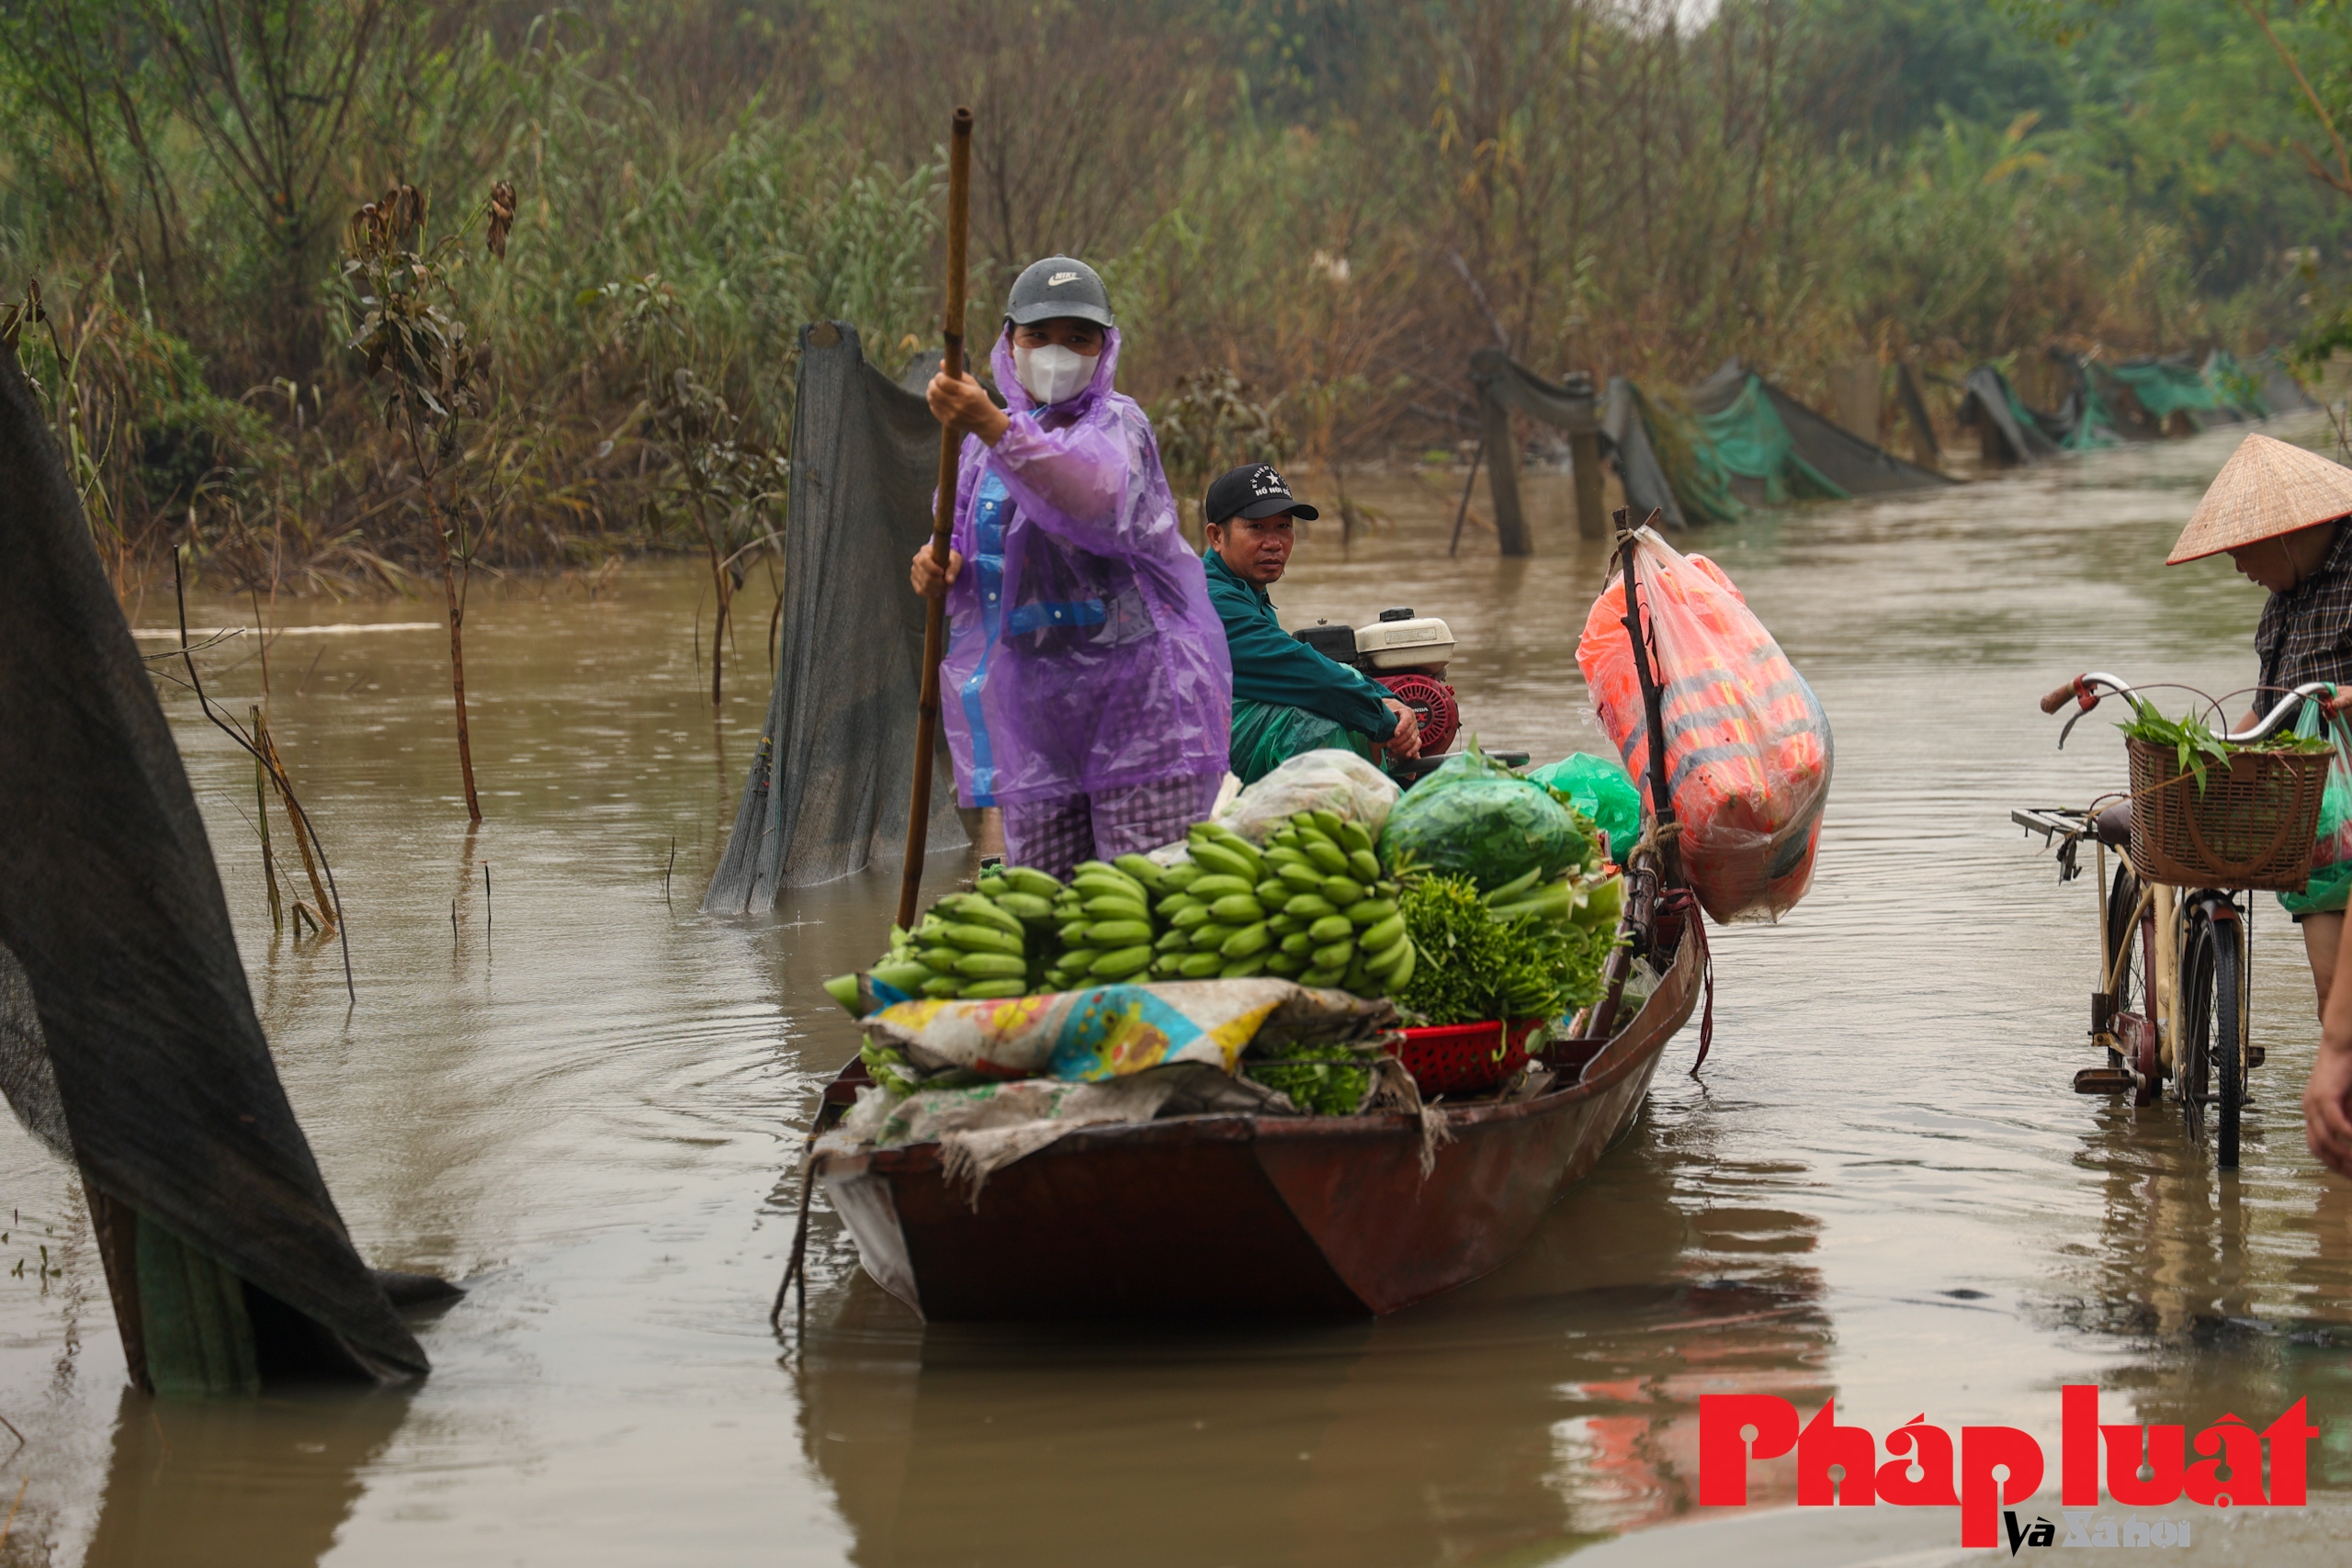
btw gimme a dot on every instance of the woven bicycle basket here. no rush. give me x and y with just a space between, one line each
2252 826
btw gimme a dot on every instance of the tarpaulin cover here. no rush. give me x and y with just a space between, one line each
1084 654
1758 432
1990 399
1107 1032
128 1039
829 784
1747 746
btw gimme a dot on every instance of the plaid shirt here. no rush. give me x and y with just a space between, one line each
2306 632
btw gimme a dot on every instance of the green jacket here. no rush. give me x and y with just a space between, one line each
1271 666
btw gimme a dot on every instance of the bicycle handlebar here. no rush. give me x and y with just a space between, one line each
2085 691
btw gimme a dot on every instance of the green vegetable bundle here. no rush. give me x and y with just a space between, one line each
1529 948
1323 1080
2195 744
1311 907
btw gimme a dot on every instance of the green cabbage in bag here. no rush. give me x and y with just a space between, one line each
1476 818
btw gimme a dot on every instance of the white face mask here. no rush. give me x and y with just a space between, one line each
1052 374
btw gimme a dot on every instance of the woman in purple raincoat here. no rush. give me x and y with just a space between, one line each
1086 687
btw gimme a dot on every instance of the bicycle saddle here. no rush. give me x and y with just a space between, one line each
2114 826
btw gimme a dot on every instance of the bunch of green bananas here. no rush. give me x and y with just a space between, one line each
1102 920
991 942
1591 902
1311 906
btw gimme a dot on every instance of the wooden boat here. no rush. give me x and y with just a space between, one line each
1270 1216
1264 1217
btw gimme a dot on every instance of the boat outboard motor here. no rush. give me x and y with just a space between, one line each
1407 654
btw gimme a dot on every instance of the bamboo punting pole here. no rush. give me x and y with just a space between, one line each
942 521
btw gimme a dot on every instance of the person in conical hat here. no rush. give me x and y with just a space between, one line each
2279 511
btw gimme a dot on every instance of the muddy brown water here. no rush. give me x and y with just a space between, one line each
577 1094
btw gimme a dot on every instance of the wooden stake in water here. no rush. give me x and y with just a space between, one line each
934 630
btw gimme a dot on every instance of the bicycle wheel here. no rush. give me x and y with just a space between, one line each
2228 1045
2124 939
2130 954
2192 1058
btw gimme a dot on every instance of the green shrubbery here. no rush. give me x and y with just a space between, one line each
1309 210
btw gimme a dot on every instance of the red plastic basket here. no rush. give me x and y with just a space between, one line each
1449 1059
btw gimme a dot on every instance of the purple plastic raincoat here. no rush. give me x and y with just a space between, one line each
1083 654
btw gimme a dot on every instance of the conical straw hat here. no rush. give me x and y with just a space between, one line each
2267 488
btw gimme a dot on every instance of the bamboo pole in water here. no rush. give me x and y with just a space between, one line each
935 631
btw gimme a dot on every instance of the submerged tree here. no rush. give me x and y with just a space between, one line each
411 324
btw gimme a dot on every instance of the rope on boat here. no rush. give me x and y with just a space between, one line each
1683 902
798 1268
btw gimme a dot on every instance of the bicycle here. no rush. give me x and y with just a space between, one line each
2182 953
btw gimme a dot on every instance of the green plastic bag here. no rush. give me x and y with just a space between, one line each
1476 818
2331 881
1603 791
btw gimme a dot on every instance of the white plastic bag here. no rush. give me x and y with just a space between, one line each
1334 781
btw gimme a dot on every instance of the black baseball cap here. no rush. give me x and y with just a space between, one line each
1056 287
1252 492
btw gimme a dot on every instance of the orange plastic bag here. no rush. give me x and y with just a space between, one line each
1748 748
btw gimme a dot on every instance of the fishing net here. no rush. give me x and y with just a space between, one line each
128 1043
1761 434
1740 433
1991 400
828 792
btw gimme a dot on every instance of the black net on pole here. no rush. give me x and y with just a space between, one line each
1627 427
1989 402
829 789
128 1043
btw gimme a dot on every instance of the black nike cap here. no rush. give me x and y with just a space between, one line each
1252 492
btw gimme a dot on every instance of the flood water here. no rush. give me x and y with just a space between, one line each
563 1085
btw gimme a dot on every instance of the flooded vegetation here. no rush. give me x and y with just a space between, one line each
563 1085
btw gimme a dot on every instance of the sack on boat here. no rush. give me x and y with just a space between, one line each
1747 746
1107 1032
1329 780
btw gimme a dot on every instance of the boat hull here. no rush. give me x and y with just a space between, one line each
1205 1216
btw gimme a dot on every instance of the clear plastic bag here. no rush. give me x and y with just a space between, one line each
1747 746
1334 781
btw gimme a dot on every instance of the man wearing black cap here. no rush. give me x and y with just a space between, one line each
1287 698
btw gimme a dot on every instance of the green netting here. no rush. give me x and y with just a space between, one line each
2025 416
2166 388
2237 387
2094 420
1690 466
1749 439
